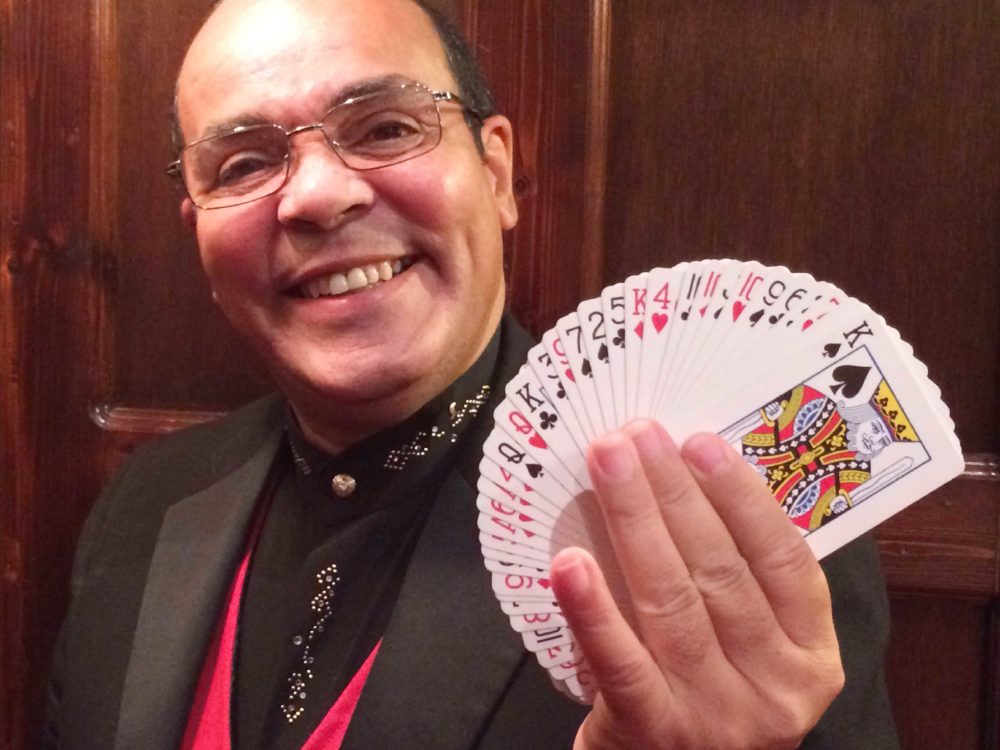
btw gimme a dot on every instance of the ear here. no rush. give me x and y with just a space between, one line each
189 214
498 158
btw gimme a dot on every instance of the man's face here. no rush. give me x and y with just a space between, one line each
870 438
397 342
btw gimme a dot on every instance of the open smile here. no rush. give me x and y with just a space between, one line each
354 279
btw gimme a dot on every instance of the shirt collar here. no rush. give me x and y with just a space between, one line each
400 448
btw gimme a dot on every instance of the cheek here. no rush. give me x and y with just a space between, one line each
444 198
232 248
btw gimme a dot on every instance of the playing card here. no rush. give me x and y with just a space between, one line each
613 306
527 394
558 351
597 337
810 386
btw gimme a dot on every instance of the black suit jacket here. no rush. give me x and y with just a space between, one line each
160 549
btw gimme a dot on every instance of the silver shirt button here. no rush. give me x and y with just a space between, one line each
343 485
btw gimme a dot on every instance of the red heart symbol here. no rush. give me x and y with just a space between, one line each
570 377
536 441
738 308
524 518
659 320
638 329
543 582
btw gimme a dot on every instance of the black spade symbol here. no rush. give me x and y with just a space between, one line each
830 350
850 378
586 369
757 316
602 353
535 470
560 391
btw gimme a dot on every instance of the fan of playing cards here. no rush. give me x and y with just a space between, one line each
811 386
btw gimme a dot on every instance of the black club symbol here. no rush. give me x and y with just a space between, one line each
619 339
548 420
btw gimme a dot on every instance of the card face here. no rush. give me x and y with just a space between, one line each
634 293
660 324
528 395
557 350
850 444
613 306
547 371
573 333
811 387
597 341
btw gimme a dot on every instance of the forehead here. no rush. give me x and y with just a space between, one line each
287 60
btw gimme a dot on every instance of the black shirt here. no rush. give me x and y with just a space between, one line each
326 570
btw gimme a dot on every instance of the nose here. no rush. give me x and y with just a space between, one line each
321 191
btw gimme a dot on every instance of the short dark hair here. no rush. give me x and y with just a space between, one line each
464 67
472 85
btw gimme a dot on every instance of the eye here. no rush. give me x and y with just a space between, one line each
392 129
383 133
247 167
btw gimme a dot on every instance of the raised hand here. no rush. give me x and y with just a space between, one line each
733 643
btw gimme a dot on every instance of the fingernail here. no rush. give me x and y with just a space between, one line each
708 454
613 455
570 577
651 441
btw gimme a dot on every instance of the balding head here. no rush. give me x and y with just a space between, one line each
470 82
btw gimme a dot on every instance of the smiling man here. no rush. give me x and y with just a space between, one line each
305 572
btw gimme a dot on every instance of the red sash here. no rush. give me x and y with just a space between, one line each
209 721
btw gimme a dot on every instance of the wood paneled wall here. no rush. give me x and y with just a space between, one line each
858 141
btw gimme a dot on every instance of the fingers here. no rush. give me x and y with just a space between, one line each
669 610
780 560
733 642
623 669
700 538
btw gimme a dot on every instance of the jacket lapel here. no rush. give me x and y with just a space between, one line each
448 652
196 554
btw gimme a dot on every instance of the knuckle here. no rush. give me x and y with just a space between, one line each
673 492
792 558
678 621
720 576
670 606
629 677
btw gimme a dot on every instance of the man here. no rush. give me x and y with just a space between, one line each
306 570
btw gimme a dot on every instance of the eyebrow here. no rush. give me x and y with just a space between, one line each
351 91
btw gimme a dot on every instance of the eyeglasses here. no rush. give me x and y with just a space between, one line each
370 131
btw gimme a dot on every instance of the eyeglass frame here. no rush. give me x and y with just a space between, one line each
175 169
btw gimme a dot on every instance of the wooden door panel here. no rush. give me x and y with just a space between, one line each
857 141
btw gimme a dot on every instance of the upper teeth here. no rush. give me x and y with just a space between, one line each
354 278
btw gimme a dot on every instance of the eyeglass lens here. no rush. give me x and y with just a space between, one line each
367 132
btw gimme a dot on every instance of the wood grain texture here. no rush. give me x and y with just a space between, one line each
938 666
538 57
947 544
857 141
51 305
172 346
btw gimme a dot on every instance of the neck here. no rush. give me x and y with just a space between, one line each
335 424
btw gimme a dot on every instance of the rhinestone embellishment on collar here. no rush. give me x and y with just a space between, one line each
421 444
